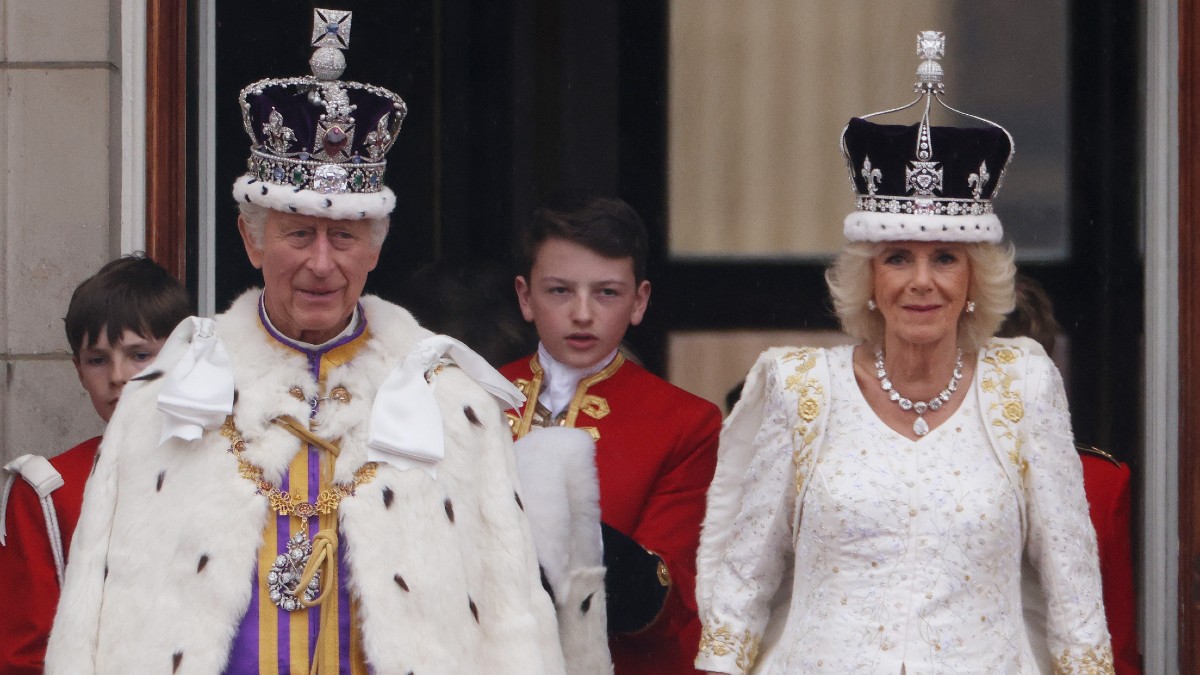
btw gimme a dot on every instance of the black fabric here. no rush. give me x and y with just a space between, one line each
635 595
959 150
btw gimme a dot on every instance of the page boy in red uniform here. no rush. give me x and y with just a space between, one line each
1106 482
582 283
116 323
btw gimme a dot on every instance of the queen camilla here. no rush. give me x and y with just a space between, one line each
880 507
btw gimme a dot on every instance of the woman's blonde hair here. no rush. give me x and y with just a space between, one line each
851 284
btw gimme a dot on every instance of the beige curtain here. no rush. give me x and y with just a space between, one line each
759 93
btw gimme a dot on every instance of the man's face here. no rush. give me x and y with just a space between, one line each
313 270
104 368
581 302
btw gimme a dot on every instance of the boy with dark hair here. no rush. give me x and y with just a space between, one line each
582 283
116 323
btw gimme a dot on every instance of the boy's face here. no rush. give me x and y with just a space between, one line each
581 301
104 368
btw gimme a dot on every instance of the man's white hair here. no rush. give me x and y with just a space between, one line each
255 217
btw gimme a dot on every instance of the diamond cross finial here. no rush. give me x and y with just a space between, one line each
331 28
931 45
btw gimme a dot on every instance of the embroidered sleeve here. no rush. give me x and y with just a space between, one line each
757 550
1060 540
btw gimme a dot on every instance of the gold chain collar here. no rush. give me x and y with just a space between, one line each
283 502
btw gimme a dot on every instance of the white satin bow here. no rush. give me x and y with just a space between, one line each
198 392
406 424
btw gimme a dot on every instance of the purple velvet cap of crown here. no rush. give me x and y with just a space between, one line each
301 115
319 146
946 197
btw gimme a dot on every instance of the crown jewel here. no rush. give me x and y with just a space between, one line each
931 47
318 133
922 181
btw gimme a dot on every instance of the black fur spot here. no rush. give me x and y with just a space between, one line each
328 203
292 208
148 377
252 181
471 416
388 496
587 604
176 659
449 509
202 563
161 476
546 585
474 609
519 501
264 190
401 583
106 571
247 199
362 214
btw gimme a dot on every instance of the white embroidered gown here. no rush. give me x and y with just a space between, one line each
908 555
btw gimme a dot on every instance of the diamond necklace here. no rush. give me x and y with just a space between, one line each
920 427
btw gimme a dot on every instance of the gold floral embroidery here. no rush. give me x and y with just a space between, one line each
595 407
808 391
1091 662
1009 410
1014 411
809 409
722 641
524 385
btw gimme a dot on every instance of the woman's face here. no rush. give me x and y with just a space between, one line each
921 289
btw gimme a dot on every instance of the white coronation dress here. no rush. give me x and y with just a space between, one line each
908 554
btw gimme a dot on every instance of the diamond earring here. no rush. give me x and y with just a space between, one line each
970 307
871 304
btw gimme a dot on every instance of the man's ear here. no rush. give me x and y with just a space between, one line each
523 292
253 250
640 303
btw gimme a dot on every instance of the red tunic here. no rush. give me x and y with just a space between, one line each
28 580
656 450
1106 483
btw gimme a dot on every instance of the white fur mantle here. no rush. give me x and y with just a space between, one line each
137 598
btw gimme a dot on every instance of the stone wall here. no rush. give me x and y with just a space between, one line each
59 156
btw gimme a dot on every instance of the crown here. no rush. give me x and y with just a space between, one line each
924 182
318 144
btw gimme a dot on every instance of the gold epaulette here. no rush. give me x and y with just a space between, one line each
1093 450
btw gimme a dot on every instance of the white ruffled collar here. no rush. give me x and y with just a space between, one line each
559 380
